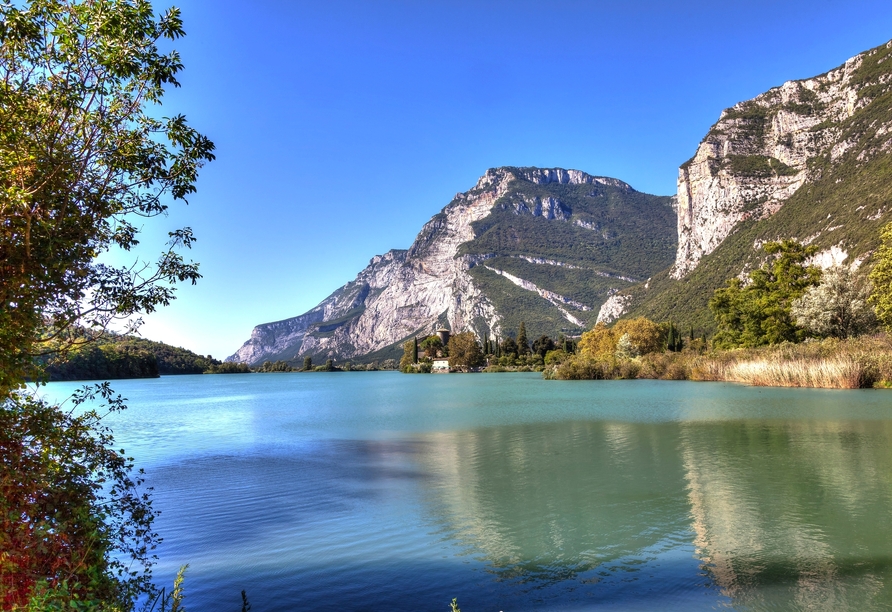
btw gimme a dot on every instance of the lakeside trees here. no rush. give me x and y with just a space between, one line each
758 313
464 352
881 277
81 161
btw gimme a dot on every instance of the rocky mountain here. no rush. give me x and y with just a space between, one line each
543 246
809 160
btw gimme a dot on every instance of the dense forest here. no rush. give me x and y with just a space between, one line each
116 357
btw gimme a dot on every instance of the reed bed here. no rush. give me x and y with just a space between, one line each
826 364
842 373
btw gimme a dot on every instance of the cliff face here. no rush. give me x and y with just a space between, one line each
757 155
810 160
438 280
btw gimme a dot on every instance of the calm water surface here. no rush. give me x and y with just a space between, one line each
381 491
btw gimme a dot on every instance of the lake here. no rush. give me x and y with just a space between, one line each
383 491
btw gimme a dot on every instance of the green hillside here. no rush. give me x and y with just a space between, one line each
115 357
607 232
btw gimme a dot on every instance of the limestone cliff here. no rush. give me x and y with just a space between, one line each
439 279
810 160
757 155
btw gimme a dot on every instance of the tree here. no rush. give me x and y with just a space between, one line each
523 345
640 336
74 522
598 342
758 313
464 352
410 352
80 161
881 277
837 307
542 345
509 347
432 345
674 340
308 363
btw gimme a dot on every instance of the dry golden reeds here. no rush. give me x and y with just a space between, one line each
840 373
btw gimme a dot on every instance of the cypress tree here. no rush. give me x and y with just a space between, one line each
415 349
523 346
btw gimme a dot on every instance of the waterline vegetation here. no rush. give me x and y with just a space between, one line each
788 324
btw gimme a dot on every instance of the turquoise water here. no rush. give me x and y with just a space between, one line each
381 491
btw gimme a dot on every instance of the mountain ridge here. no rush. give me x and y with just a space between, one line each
467 266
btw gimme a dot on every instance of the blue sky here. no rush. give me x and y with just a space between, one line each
343 126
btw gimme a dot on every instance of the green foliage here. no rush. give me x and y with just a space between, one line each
410 355
114 356
543 344
634 235
464 351
79 158
509 347
75 523
432 346
275 366
758 166
881 277
516 304
751 119
308 363
228 367
106 362
674 341
758 313
523 345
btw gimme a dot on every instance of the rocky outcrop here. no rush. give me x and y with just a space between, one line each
757 155
615 306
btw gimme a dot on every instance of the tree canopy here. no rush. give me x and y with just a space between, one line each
84 156
881 277
758 312
464 352
837 307
81 159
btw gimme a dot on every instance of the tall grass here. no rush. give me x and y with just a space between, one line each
829 364
842 373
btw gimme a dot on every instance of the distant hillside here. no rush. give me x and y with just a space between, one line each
117 357
809 160
543 246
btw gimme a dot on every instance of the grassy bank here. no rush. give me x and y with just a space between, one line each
858 363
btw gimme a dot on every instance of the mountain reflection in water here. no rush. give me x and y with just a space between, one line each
383 491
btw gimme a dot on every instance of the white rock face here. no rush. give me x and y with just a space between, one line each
403 293
615 307
716 191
